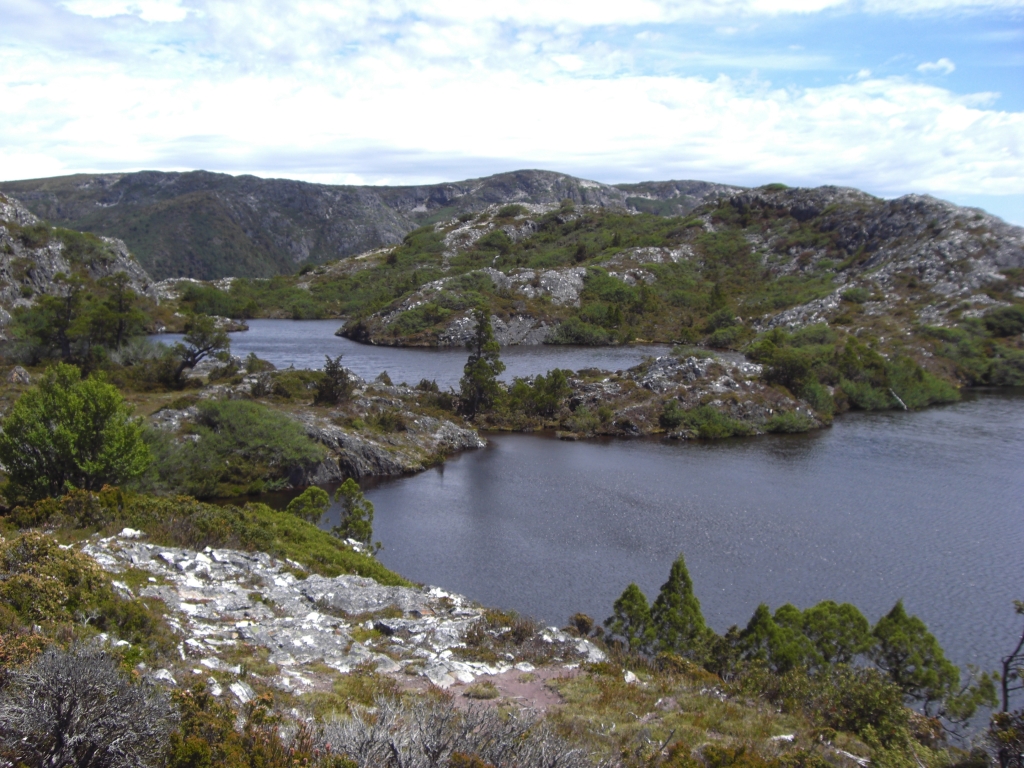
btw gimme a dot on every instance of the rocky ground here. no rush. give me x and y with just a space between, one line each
630 403
917 259
245 619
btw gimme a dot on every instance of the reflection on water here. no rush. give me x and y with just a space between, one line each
921 506
304 343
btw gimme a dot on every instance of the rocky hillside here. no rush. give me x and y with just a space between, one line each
770 257
207 226
33 254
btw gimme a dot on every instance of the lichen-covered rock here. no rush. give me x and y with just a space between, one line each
225 605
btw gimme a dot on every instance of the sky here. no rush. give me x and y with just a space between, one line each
917 96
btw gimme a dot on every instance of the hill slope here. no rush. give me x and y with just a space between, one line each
207 225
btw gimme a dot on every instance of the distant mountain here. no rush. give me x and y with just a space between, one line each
209 225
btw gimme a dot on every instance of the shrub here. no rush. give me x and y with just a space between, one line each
434 731
575 331
335 385
182 521
856 295
1006 321
241 447
510 211
789 422
68 433
77 708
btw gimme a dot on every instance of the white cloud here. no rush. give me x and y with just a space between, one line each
147 10
407 92
378 117
943 66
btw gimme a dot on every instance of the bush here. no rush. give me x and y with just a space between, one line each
241 447
789 422
856 295
182 521
77 708
69 433
336 385
575 331
1007 321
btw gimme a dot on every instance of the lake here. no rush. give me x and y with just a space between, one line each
926 506
304 343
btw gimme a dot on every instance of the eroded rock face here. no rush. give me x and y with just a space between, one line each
225 604
357 455
27 272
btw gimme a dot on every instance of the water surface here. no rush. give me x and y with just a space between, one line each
304 343
928 507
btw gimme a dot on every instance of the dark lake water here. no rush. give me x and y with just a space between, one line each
927 506
303 343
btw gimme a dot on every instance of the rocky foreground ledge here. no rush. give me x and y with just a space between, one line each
231 608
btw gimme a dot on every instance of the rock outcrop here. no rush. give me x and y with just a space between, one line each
225 605
32 255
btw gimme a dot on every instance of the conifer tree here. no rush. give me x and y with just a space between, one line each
356 515
631 620
479 386
913 657
676 616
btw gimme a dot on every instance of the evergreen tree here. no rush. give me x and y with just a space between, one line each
778 641
631 620
335 386
676 616
117 317
356 515
479 387
839 631
203 337
913 657
310 505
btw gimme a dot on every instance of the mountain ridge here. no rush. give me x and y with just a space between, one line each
207 225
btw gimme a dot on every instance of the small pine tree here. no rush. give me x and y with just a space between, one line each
631 621
356 515
310 505
913 657
335 386
676 616
479 387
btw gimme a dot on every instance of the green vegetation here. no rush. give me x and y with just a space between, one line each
181 521
808 360
232 447
798 657
335 385
356 515
69 433
479 387
310 505
63 591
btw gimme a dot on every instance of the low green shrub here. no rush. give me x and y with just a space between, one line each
182 521
234 447
789 422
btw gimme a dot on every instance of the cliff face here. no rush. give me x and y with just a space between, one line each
207 226
33 254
